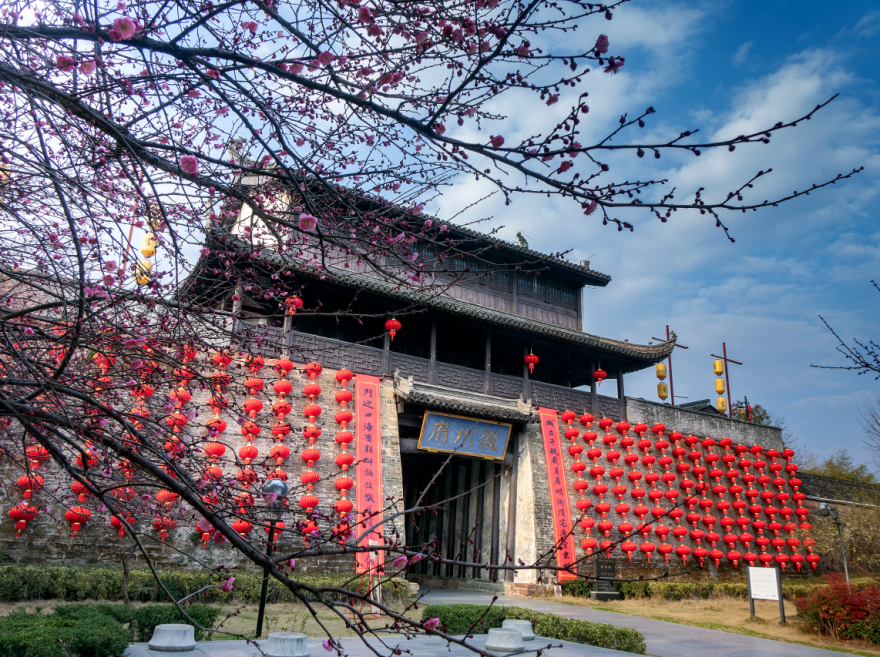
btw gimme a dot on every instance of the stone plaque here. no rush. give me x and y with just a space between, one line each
604 588
467 436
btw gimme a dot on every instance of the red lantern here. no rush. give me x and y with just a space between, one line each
600 375
308 501
343 397
283 387
215 450
344 483
116 523
312 411
29 484
176 421
531 360
313 370
163 525
22 513
221 359
279 453
180 396
310 455
281 408
292 303
253 406
248 453
392 326
242 527
344 437
280 430
311 390
343 506
36 454
216 425
253 385
344 459
250 430
254 363
77 516
283 367
344 376
79 489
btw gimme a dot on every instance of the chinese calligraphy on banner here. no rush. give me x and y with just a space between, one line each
562 521
464 435
368 471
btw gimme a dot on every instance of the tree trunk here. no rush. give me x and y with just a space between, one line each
125 578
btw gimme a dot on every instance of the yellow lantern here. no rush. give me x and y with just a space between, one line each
662 391
718 366
142 273
148 245
661 371
719 385
721 405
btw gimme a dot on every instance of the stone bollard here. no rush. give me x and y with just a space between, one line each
173 637
524 627
504 640
287 644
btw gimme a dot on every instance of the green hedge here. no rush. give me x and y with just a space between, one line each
19 582
690 590
478 619
82 632
142 621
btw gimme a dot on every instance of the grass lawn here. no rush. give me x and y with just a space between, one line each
729 614
280 617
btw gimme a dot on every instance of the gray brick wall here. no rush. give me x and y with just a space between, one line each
702 424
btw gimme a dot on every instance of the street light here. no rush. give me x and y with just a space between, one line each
829 510
279 488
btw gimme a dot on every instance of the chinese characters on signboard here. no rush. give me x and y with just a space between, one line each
562 521
368 471
464 435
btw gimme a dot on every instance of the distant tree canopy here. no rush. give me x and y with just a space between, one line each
760 415
841 465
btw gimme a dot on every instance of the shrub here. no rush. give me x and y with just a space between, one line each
843 612
580 588
478 619
143 620
83 632
669 590
20 582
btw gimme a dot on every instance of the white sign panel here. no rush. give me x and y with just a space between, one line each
763 583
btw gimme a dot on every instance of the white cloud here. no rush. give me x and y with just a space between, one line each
742 54
868 25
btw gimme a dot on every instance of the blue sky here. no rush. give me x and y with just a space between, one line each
725 68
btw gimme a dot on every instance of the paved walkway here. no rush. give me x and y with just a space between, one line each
418 647
663 639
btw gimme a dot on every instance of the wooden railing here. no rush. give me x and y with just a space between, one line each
362 359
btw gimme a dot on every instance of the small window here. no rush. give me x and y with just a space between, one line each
531 283
459 263
502 279
561 292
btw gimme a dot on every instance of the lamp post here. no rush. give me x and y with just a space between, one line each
827 510
279 488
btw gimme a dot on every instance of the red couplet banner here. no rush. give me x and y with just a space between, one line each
368 471
562 522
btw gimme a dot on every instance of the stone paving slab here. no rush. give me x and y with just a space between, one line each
663 639
353 647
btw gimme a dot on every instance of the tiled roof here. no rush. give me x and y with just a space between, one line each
643 355
467 403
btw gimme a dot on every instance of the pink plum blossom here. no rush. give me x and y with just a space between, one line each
194 93
204 526
65 63
189 164
228 584
109 280
590 208
87 67
326 58
307 222
400 561
497 141
432 623
327 645
123 29
614 65
219 539
28 330
602 44
416 558
291 563
110 265
364 15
